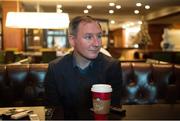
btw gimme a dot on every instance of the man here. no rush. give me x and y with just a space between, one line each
69 79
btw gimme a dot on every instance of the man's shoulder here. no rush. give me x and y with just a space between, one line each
107 59
61 60
108 64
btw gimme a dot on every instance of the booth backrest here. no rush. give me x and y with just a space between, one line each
150 83
22 85
143 83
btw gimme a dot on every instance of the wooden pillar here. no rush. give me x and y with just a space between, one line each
117 36
156 32
12 37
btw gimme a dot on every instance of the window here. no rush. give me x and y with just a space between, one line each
34 39
56 39
46 38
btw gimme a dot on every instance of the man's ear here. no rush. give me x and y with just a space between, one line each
71 39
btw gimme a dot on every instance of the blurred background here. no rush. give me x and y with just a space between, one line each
129 26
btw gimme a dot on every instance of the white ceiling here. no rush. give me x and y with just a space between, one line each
161 10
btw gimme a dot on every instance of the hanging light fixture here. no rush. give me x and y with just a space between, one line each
37 20
40 20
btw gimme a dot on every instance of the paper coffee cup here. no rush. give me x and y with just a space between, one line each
101 94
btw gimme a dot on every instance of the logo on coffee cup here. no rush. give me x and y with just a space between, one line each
98 99
98 105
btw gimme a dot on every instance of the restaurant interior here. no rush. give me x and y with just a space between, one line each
137 30
142 34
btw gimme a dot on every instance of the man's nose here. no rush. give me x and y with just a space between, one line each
96 41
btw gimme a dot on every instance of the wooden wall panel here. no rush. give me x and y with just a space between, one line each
176 26
156 32
12 38
117 36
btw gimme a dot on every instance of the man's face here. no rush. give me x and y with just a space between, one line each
88 42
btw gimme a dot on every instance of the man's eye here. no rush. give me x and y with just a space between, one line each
88 37
99 36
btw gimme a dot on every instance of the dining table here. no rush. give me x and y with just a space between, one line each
149 112
126 112
135 112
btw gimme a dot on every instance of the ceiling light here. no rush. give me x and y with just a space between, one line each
147 6
136 46
111 11
111 4
41 20
112 22
89 6
86 11
139 22
131 24
118 6
124 26
59 10
138 4
59 6
136 11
